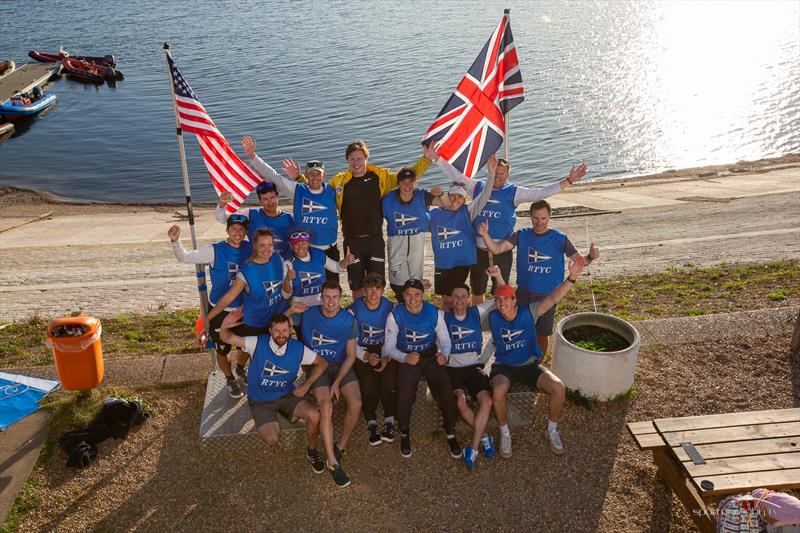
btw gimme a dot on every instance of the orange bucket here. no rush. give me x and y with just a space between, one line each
77 351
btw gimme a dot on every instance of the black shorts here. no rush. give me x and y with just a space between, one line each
264 412
527 374
333 252
469 379
222 348
444 279
371 254
329 376
479 279
243 330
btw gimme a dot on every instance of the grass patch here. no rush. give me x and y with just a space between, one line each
26 501
595 339
587 402
624 396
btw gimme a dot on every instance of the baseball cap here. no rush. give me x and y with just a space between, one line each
505 290
236 218
457 189
406 173
413 283
315 164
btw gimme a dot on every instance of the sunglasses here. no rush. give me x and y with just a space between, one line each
265 186
300 235
241 219
314 164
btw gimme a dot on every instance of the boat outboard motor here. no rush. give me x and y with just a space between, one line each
111 60
37 92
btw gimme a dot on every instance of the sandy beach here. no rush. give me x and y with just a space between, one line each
105 259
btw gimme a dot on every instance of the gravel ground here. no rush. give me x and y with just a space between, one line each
158 479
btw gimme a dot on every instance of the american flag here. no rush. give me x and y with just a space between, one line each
227 170
470 127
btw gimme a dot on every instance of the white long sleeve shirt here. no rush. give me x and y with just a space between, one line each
390 341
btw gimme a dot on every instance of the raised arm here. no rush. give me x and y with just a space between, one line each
496 247
220 213
202 256
477 204
231 320
455 176
575 268
284 185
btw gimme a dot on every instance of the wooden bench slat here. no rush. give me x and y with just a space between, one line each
728 419
740 465
742 449
731 483
639 428
732 434
648 441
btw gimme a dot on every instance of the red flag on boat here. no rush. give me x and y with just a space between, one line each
227 170
471 127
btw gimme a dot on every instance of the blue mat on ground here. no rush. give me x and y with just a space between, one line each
20 396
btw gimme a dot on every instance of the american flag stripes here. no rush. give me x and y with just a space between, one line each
227 170
470 127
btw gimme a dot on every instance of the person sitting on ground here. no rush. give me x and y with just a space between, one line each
225 259
277 359
269 216
314 206
466 374
417 338
331 332
377 373
260 281
501 210
406 210
540 265
453 237
518 356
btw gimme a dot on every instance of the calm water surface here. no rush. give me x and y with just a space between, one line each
628 87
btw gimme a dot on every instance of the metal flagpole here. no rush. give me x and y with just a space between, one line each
507 13
200 270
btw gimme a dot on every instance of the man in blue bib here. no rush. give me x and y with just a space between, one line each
416 337
225 259
501 211
377 373
540 261
269 216
271 385
314 201
518 356
331 332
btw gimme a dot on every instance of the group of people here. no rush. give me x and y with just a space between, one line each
278 274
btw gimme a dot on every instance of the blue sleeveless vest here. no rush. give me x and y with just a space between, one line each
327 336
452 237
262 298
317 213
271 376
371 324
465 334
405 219
499 210
310 275
227 263
280 225
416 333
540 261
515 342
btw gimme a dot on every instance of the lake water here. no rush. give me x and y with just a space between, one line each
628 87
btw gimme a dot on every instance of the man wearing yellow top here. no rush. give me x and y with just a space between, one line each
359 191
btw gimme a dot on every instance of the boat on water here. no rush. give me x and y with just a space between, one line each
90 72
49 57
6 68
26 104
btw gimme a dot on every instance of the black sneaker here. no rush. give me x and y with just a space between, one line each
317 464
338 452
405 444
387 435
374 436
339 477
234 390
242 376
455 447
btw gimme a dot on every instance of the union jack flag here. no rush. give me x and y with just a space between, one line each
226 169
471 127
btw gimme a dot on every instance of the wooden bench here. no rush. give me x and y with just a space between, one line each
704 458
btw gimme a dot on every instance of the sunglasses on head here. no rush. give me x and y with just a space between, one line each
300 235
314 164
265 186
237 218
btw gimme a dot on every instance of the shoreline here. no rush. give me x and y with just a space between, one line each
13 196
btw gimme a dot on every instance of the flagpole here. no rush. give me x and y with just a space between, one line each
507 13
200 270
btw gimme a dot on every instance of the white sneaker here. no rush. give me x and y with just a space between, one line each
554 440
505 445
